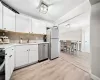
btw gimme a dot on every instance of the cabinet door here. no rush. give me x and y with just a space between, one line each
21 56
7 67
35 26
33 56
9 63
38 26
23 23
8 19
42 27
12 60
0 15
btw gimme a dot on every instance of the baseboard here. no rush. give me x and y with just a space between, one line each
94 77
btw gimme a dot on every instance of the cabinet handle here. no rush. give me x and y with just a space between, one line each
10 56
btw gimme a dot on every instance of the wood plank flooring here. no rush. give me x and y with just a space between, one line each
58 69
80 60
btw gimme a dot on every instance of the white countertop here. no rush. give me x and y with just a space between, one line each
5 46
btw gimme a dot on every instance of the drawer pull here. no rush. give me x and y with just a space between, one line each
10 56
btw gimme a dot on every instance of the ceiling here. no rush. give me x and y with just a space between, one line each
76 24
57 9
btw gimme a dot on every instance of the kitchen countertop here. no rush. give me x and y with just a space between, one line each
5 46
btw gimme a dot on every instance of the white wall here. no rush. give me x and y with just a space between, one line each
95 39
71 35
86 39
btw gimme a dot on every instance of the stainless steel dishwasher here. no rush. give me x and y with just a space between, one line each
43 51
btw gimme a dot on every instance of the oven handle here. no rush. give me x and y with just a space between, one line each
2 65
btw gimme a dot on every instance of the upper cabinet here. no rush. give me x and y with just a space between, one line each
0 15
8 19
38 26
23 23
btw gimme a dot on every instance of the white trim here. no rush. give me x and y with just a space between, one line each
94 77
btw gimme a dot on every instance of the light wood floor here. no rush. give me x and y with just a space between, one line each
58 69
80 60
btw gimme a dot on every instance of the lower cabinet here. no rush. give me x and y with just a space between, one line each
21 58
9 63
33 56
25 55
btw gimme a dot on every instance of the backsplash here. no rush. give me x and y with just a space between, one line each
15 37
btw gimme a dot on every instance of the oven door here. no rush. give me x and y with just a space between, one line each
2 63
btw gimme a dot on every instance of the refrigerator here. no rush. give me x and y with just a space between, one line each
53 39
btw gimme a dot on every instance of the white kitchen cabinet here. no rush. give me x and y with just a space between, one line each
8 19
7 68
0 15
38 26
33 53
25 55
23 23
21 56
33 56
43 27
9 63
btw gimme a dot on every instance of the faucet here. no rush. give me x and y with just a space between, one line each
28 41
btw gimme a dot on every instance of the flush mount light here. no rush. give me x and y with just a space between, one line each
43 8
67 26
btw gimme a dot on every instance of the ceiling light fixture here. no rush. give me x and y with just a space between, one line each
43 8
68 25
